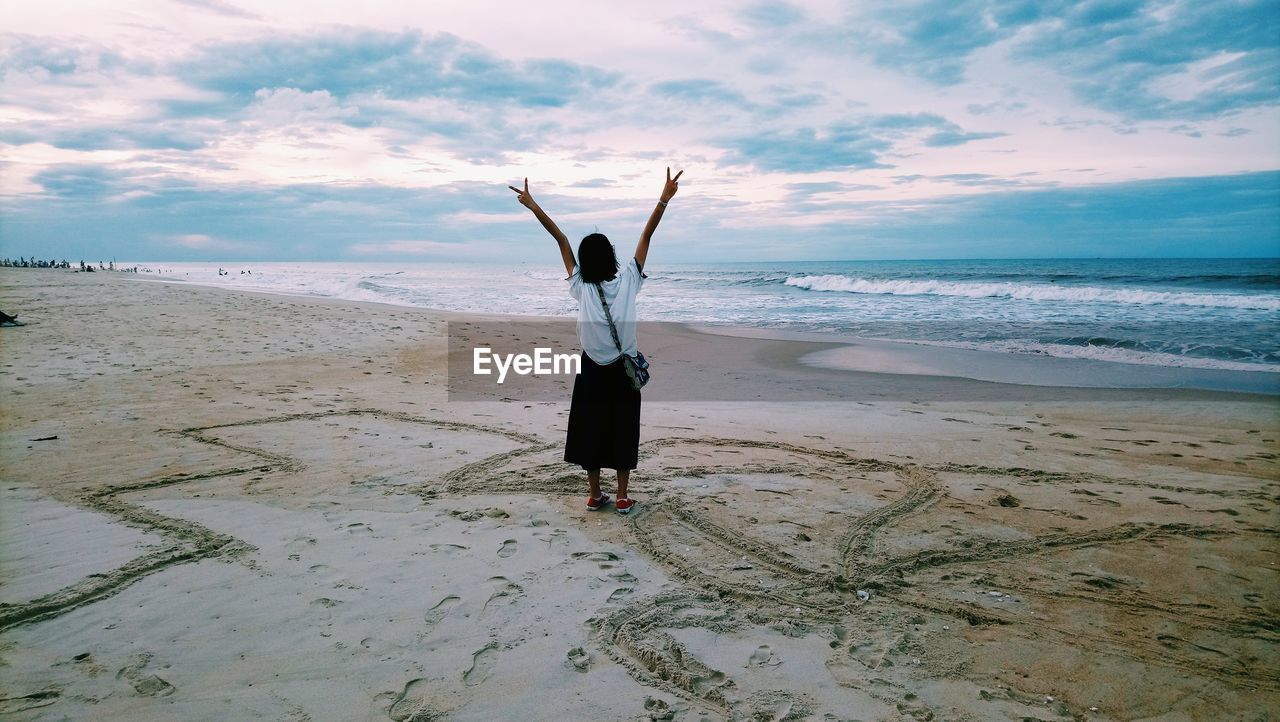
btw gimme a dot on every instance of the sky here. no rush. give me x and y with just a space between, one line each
388 131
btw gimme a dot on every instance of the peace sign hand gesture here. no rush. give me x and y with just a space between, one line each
673 185
524 197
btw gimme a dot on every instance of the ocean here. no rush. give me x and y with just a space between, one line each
1200 313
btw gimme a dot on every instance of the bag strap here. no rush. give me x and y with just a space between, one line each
612 329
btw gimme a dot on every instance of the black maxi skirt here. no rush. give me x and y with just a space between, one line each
604 418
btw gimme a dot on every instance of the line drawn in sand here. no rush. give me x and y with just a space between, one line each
736 579
755 564
188 540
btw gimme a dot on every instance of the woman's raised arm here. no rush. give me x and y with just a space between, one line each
668 192
526 200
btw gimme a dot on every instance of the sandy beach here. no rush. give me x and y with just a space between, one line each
227 505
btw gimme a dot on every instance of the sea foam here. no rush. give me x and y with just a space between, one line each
1033 292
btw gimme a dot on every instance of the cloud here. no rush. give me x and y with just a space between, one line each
80 182
934 38
805 150
58 61
287 105
810 189
785 98
997 106
155 217
83 96
135 213
1178 217
401 88
203 242
1187 60
854 145
772 15
401 66
907 121
112 137
219 7
192 240
700 90
948 138
404 248
594 183
1203 217
985 180
292 133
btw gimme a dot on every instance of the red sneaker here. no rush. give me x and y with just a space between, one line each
623 505
600 503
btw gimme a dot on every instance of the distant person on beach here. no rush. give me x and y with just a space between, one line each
604 416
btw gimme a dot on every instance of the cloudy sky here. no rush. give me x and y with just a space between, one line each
227 130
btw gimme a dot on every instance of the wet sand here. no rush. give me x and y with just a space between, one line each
262 507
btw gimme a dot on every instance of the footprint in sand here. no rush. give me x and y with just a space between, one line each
477 514
767 707
448 549
873 652
619 593
504 592
43 698
503 587
152 686
705 683
658 709
1006 500
508 548
579 658
553 537
481 665
1197 650
299 544
412 705
763 657
440 611
604 559
147 685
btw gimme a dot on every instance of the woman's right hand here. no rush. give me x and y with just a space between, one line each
523 196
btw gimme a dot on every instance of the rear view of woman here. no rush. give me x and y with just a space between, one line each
604 416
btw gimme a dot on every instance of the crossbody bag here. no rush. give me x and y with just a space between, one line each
637 367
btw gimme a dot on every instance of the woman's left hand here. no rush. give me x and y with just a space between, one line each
669 190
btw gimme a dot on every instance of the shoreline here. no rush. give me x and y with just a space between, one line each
842 352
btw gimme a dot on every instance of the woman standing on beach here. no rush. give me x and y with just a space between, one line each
604 416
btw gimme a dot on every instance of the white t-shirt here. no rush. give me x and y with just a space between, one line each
593 327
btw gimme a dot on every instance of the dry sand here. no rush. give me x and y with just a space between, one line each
262 507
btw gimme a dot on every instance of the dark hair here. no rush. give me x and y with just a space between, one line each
596 259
